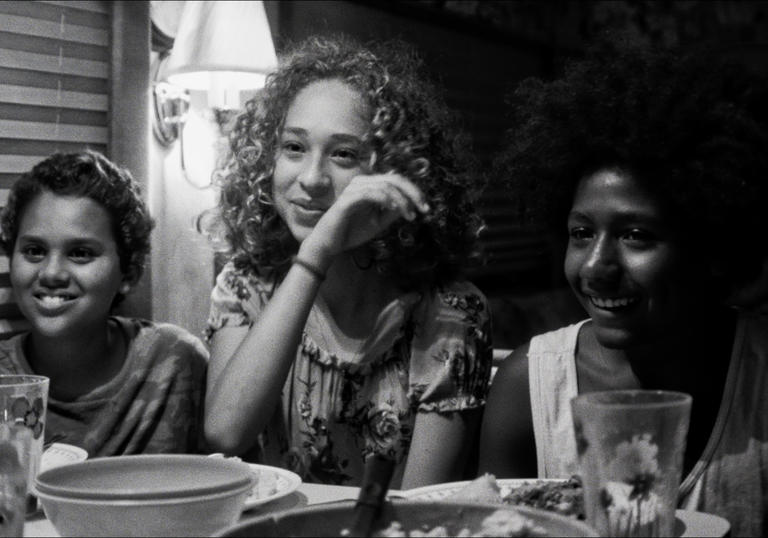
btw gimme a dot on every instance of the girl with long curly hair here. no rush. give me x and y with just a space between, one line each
654 167
340 327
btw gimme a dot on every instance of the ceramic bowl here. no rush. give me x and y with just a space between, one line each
333 518
150 495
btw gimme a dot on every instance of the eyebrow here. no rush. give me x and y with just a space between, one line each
336 137
75 241
628 216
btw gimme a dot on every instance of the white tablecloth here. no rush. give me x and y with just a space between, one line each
306 494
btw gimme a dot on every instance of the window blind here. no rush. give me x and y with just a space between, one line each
55 59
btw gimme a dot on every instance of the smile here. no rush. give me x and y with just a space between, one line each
612 303
53 302
309 206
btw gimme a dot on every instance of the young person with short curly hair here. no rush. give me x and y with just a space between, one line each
656 166
77 233
340 327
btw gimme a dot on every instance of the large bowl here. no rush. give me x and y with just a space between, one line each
152 495
332 518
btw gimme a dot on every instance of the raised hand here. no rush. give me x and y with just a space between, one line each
365 208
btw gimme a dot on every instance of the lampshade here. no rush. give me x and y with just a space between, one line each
221 45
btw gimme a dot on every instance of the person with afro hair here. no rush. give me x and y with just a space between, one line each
653 166
341 327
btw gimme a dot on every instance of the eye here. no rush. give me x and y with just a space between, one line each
579 234
639 238
33 253
292 148
346 157
81 254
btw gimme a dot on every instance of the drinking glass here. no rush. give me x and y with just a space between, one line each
23 401
630 445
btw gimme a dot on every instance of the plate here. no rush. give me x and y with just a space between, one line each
438 492
272 483
59 454
688 523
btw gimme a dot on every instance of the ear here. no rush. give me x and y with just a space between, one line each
125 287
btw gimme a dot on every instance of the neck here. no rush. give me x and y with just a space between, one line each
77 365
671 362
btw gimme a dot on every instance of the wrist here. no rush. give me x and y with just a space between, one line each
309 267
315 255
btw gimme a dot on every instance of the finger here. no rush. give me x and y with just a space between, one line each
389 199
409 189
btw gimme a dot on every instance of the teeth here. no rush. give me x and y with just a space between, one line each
52 301
613 303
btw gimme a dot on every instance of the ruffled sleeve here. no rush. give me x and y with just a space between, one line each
237 299
451 350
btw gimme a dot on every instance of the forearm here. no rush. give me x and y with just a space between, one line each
243 393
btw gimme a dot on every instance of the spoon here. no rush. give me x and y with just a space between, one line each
376 478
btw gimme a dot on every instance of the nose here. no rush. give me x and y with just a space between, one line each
313 177
53 272
601 264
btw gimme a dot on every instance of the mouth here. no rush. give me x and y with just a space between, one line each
309 206
55 302
612 304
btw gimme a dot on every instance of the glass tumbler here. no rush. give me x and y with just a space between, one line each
630 445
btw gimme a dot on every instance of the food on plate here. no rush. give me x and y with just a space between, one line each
266 483
482 489
498 523
564 497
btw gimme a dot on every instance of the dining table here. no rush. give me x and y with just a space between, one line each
306 494
694 523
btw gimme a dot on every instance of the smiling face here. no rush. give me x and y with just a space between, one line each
65 269
627 263
320 150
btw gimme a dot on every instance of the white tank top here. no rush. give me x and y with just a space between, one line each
731 477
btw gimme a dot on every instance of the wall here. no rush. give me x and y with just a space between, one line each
182 259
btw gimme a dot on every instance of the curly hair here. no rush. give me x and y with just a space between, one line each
86 174
411 132
691 131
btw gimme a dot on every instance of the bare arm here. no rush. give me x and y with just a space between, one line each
440 447
248 367
507 443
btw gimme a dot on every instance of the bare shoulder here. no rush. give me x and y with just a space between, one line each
507 445
513 372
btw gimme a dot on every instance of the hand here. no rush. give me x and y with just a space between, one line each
365 208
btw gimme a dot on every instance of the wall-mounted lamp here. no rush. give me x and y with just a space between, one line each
171 107
221 47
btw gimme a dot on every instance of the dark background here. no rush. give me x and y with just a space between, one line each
478 51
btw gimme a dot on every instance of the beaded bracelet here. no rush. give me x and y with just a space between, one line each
312 268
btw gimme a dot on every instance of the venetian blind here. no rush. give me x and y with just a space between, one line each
54 91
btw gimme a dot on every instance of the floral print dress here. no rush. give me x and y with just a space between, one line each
430 352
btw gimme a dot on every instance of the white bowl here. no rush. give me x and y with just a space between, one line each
184 516
148 495
59 454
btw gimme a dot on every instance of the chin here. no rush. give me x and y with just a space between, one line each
617 337
300 233
50 330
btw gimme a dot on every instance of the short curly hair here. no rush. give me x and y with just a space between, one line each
691 130
86 174
411 132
